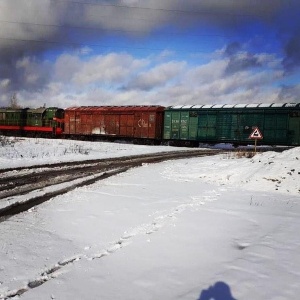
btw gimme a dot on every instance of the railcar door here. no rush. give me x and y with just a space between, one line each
126 125
184 125
193 125
167 125
112 124
141 124
294 128
207 124
175 121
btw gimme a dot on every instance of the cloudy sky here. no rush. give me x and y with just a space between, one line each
167 52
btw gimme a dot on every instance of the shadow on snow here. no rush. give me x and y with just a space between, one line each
219 291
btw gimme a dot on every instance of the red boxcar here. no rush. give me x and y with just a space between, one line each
136 122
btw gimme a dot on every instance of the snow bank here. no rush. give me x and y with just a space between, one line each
268 171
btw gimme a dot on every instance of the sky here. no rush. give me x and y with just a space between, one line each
134 52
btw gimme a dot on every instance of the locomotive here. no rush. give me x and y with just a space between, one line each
185 125
41 121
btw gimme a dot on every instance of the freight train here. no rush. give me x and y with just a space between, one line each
278 123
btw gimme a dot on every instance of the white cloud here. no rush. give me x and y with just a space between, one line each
206 73
24 62
85 51
4 83
158 76
109 69
66 66
122 79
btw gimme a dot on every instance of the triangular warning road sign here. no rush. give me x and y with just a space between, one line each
256 134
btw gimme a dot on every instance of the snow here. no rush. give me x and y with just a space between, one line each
165 231
25 152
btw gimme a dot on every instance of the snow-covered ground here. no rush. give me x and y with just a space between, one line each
186 229
23 152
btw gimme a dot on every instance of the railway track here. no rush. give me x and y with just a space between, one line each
23 181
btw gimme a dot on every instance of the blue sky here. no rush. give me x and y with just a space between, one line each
124 52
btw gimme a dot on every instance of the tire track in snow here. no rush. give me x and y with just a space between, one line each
145 229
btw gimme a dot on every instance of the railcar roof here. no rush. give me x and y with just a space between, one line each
9 109
116 108
250 105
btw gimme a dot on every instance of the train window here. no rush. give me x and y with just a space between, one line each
193 114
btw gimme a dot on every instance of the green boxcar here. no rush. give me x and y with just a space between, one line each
279 123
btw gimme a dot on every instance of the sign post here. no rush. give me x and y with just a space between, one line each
256 135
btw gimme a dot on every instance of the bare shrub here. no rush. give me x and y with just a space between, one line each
76 149
246 154
6 141
239 154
